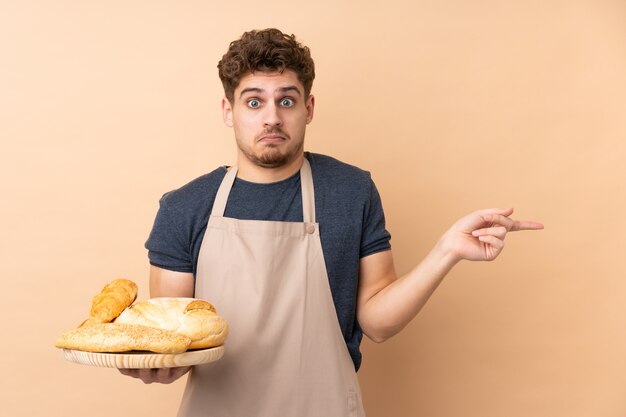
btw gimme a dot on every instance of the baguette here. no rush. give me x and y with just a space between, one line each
115 338
194 318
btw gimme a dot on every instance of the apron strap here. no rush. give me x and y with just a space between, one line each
219 205
308 195
306 181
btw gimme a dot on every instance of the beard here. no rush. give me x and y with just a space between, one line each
273 156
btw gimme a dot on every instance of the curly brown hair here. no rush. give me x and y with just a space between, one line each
265 50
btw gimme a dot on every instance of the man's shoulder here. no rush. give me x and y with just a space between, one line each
328 169
198 190
329 165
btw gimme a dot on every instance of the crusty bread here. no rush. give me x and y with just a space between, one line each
114 337
111 301
191 317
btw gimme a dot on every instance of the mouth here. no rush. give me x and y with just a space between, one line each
272 139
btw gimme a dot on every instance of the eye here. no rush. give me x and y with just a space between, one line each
254 103
287 102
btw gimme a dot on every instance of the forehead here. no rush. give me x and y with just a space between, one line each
268 82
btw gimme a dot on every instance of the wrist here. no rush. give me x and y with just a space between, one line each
445 254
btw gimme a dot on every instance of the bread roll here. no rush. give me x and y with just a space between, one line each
194 318
114 337
111 301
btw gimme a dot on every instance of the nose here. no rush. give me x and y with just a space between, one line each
271 117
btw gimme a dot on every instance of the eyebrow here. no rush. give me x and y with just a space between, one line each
260 90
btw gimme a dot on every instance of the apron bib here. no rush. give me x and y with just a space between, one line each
285 353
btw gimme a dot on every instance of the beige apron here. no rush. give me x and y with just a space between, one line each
285 354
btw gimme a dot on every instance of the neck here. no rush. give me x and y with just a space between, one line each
249 171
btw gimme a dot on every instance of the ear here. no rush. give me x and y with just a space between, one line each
227 112
310 107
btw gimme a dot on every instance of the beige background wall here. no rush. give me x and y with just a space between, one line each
452 105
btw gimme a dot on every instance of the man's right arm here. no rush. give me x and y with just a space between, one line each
165 283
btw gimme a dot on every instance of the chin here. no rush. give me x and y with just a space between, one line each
273 158
272 162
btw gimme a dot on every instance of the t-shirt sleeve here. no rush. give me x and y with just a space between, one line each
375 237
167 247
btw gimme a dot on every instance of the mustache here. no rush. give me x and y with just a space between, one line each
272 131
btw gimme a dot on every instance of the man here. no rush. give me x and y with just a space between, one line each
292 249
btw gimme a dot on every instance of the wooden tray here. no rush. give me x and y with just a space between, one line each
144 359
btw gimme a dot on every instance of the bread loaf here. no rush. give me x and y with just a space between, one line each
194 318
114 337
161 325
111 301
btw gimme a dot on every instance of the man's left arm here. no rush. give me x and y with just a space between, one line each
386 303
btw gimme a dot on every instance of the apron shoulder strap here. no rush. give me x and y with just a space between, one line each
219 205
308 194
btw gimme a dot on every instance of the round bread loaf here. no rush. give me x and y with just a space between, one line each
194 318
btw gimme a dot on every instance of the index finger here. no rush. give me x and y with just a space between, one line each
526 225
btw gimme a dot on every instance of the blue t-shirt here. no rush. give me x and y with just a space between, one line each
348 209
